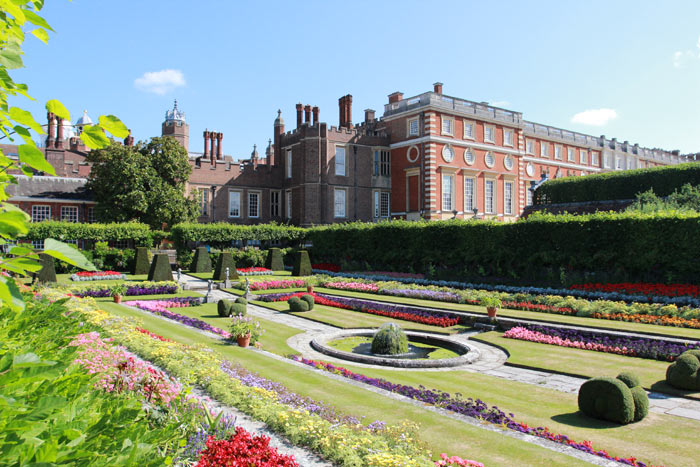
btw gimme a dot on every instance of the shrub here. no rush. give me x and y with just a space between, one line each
141 263
309 299
390 340
274 260
201 261
239 309
302 265
140 234
621 399
297 305
225 260
47 273
224 308
242 300
115 259
683 373
160 269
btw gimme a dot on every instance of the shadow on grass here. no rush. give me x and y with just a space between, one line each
580 420
665 388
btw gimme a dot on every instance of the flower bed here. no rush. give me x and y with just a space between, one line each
355 286
405 313
132 289
331 267
651 319
423 294
160 307
243 449
655 349
642 288
283 284
469 407
97 276
254 271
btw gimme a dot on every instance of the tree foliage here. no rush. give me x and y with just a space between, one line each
145 183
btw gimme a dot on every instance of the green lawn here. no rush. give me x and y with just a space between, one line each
64 279
348 344
184 293
585 363
530 315
277 276
439 433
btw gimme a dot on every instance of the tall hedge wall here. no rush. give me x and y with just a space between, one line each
618 185
222 234
140 233
624 246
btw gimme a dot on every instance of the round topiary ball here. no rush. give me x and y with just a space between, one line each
606 398
683 373
242 300
223 308
390 340
297 305
629 379
238 309
309 299
641 403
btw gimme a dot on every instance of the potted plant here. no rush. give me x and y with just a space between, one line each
492 304
117 291
310 283
246 330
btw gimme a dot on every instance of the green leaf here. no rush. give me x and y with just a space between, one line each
57 108
24 133
13 223
67 254
23 251
22 265
93 137
114 126
42 35
11 60
30 155
28 359
36 19
25 118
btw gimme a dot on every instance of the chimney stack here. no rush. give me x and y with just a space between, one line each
369 115
59 133
50 140
212 154
219 153
299 109
206 143
395 97
307 114
315 111
437 88
341 108
348 111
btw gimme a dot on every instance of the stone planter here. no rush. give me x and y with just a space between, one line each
243 341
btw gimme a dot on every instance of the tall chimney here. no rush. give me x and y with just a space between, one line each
437 87
299 109
369 115
50 140
206 143
219 153
278 132
59 133
211 146
348 111
315 110
341 108
307 114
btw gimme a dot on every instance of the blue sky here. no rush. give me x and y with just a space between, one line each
636 64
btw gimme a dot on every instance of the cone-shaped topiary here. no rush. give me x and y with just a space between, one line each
621 400
297 305
224 261
47 273
302 264
309 299
274 260
160 269
683 373
390 340
141 263
223 308
201 261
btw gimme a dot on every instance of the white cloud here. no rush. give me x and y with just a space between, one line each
594 117
160 82
501 104
681 57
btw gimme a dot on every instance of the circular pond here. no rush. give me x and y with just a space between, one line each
425 350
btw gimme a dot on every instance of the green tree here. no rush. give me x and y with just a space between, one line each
144 183
18 19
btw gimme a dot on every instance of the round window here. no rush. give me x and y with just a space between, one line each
489 159
412 154
448 153
530 169
469 156
508 163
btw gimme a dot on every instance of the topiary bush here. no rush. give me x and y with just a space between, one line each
302 264
274 259
141 263
242 300
297 305
160 269
239 309
309 299
223 308
390 340
47 273
683 373
201 261
620 400
225 260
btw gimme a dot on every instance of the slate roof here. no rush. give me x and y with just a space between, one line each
41 187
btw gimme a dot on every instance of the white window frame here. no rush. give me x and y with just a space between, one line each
231 197
571 154
91 219
384 204
376 204
490 202
450 193
203 195
340 162
595 161
473 158
528 195
288 203
469 194
607 162
492 130
410 122
73 217
544 149
530 146
451 129
508 198
472 132
43 214
256 195
558 152
619 163
289 163
583 156
275 203
336 212
508 134
486 159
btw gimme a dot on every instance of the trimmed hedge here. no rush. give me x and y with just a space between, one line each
620 400
684 373
141 263
302 264
223 308
309 299
139 233
618 185
390 339
297 305
160 269
220 234
225 260
274 260
47 273
201 261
